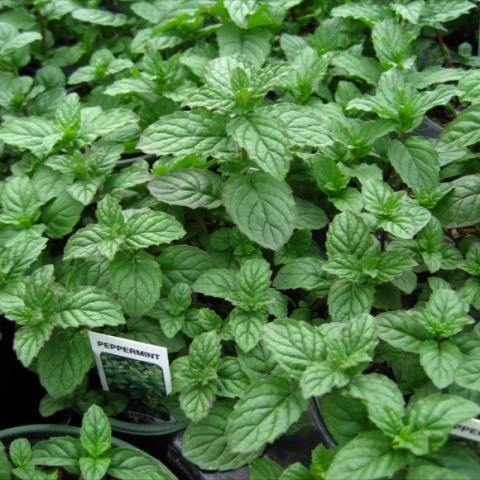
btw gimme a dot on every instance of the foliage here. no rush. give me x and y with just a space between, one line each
285 194
90 457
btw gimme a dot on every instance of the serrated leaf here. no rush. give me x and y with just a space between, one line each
262 207
184 133
88 307
205 442
416 161
440 360
437 414
370 455
320 378
36 134
294 344
99 17
254 44
149 227
468 374
347 299
266 411
96 433
239 10
461 207
304 272
64 362
348 234
247 328
136 279
189 187
265 140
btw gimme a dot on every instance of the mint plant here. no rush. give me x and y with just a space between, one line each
284 194
90 457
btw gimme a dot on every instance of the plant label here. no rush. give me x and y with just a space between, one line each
138 370
469 429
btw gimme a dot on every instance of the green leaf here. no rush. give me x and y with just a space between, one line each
461 207
347 299
30 340
184 133
88 307
262 207
64 362
377 389
463 130
93 468
91 241
468 374
189 187
232 380
354 345
32 133
58 452
183 264
294 344
320 378
96 433
205 442
437 414
348 234
392 41
99 17
5 465
147 227
440 360
416 161
265 140
21 452
129 464
365 68
304 272
61 215
345 417
306 127
296 471
370 455
401 330
247 328
217 282
197 400
266 411
253 283
262 468
254 44
239 10
442 11
136 279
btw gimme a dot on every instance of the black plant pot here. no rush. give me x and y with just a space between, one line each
151 438
288 449
36 433
319 422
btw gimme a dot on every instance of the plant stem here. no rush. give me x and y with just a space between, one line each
444 50
43 28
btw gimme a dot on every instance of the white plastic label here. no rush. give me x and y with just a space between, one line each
138 370
469 429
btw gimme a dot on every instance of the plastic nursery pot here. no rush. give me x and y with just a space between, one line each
152 438
316 415
288 449
36 433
